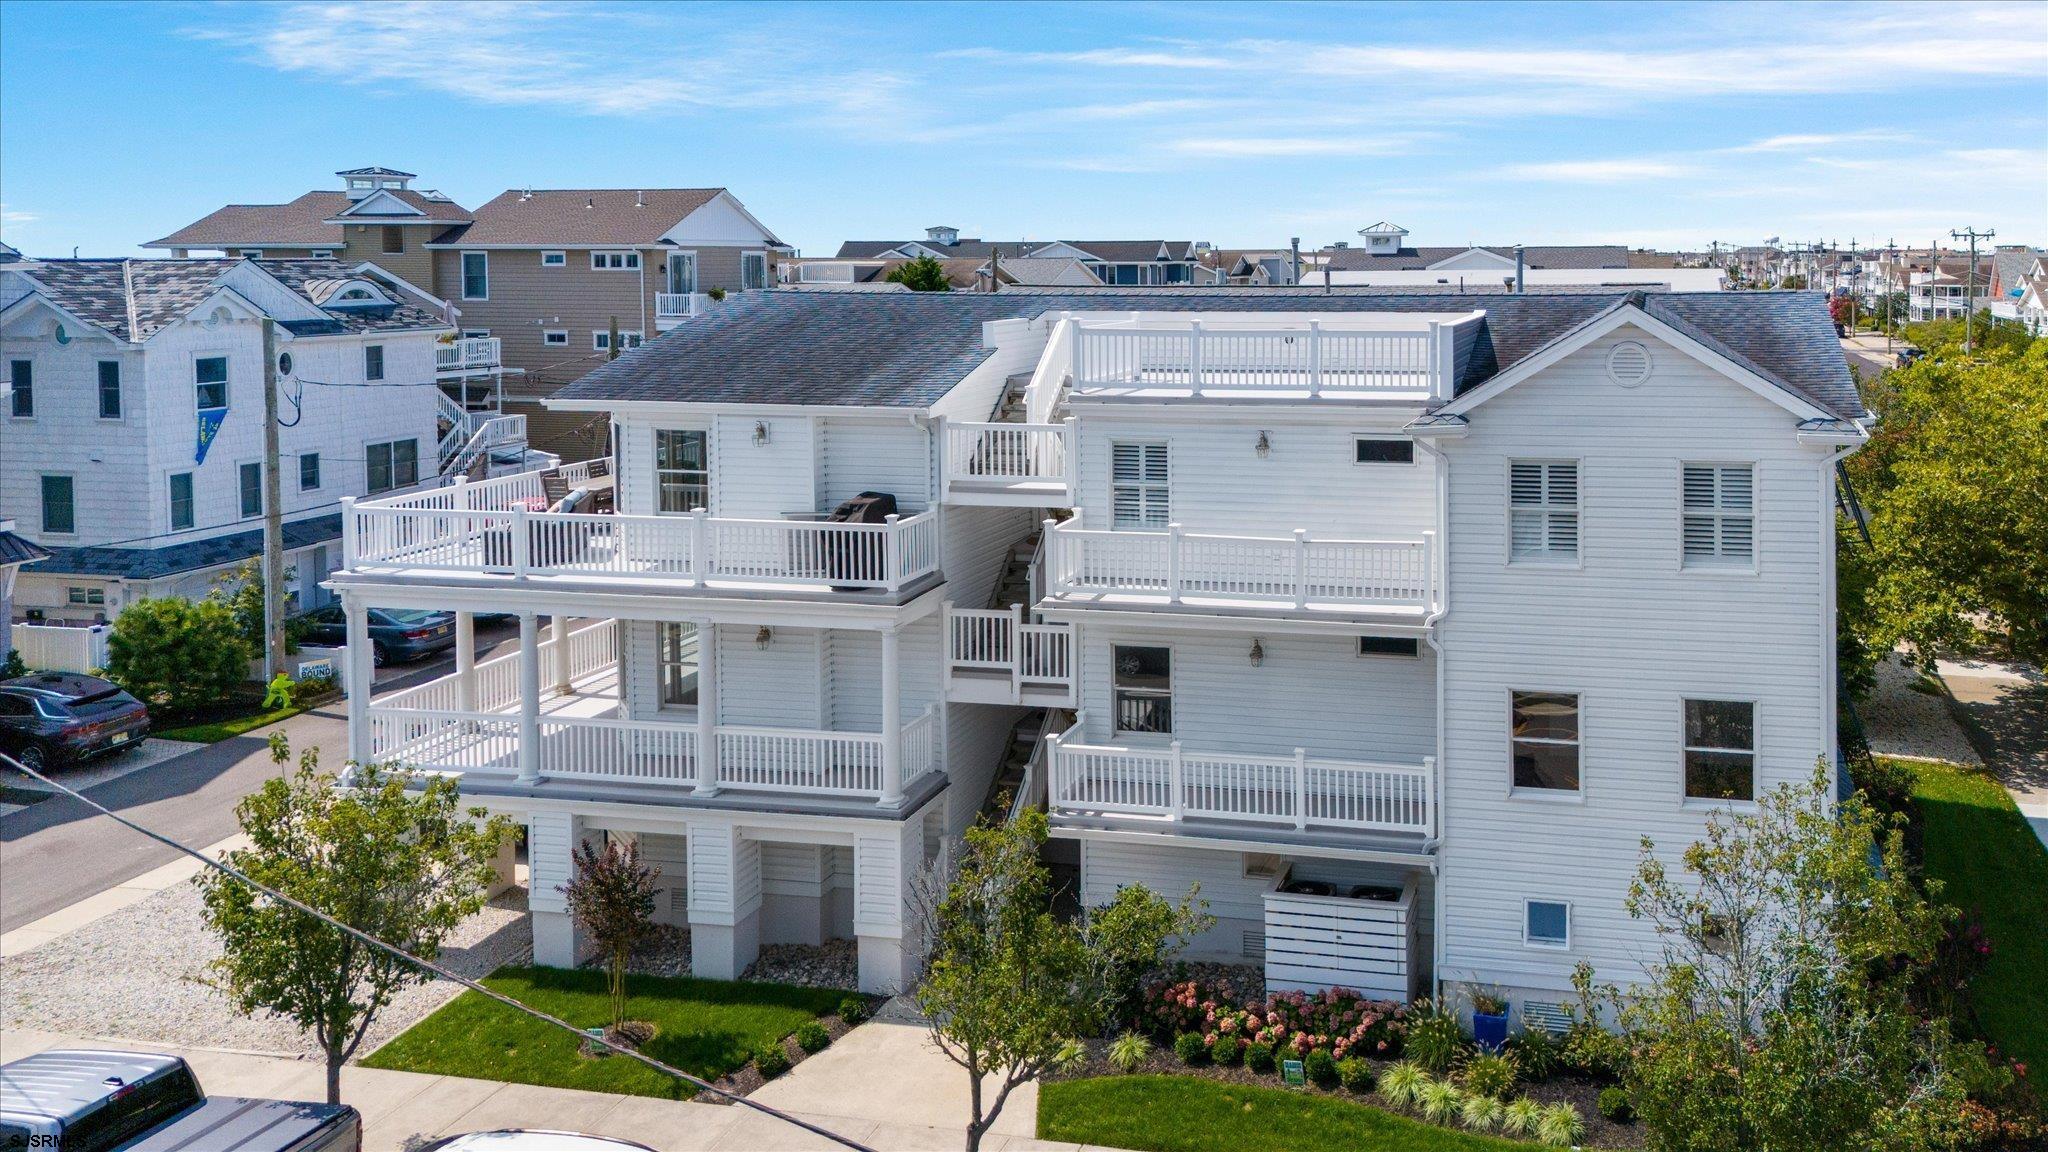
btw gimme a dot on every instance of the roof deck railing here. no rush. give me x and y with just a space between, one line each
1294 358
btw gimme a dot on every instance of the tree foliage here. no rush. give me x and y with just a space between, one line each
176 653
385 853
1775 1017
241 589
1955 483
924 274
1008 985
612 898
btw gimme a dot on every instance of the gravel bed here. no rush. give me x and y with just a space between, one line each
139 974
833 964
664 953
1901 720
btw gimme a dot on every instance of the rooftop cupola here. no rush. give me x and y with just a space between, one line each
943 235
361 182
1383 238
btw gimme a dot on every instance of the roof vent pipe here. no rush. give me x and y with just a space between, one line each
1521 270
639 198
590 201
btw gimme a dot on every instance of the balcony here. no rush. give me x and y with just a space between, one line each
471 354
1396 357
995 657
1009 465
1171 788
1296 573
499 527
672 308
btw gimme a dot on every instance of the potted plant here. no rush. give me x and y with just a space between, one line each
1489 1020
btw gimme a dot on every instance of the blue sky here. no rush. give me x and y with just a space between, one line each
1237 124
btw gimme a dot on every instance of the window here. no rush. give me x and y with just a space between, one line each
210 382
682 469
476 333
250 253
323 253
1143 679
753 270
394 238
679 665
309 471
1720 515
181 501
110 389
392 465
1720 750
1546 924
682 272
252 490
373 361
1177 274
476 276
1543 501
601 341
1384 450
614 261
555 337
1137 485
1545 738
59 514
21 377
1389 646
85 595
554 259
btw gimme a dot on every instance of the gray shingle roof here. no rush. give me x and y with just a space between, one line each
133 299
15 550
1536 256
191 556
1126 251
539 217
907 350
299 224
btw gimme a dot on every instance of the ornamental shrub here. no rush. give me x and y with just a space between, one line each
1259 1058
177 654
1482 1113
1521 1118
1223 1051
1536 1053
1128 1052
812 1037
1561 1126
1593 1050
1355 1075
1434 1039
1614 1104
1402 1084
1440 1101
1489 1074
853 1010
1189 1047
771 1061
1342 1021
1321 1068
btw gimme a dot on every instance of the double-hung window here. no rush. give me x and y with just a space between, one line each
679 665
210 382
476 275
1138 486
60 512
110 389
1142 677
21 382
251 476
1545 740
392 465
1720 515
181 501
373 361
682 469
309 471
1543 510
1720 750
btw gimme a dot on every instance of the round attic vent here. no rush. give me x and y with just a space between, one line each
1628 364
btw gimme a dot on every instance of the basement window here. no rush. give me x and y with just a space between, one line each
1389 646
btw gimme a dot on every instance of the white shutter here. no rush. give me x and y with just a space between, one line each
1543 517
1719 524
1138 487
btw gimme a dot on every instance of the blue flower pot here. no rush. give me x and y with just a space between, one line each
1490 1032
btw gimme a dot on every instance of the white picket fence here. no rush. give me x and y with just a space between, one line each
60 648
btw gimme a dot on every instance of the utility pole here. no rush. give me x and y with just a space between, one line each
1970 293
273 514
1891 259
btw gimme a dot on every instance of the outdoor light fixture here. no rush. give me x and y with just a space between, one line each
1264 445
762 637
760 433
1258 652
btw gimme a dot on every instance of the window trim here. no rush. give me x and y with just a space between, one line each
1546 559
601 259
1172 695
547 338
315 485
662 664
1385 438
1358 648
227 376
1545 795
654 458
392 458
43 503
1528 941
462 274
100 390
765 269
14 392
1717 564
241 505
668 276
1165 485
191 501
1685 797
379 350
601 339
554 258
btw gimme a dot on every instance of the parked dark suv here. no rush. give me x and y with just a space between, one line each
395 633
52 718
104 1101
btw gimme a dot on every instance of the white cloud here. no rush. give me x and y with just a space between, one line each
14 219
1620 171
1286 146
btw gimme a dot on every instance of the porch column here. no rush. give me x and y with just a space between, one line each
465 661
551 839
892 719
724 901
360 681
558 628
886 860
529 699
707 708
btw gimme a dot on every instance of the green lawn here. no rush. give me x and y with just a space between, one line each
1191 1114
1988 859
706 1027
216 731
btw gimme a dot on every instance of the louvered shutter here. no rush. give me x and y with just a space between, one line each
1720 514
1543 499
1138 488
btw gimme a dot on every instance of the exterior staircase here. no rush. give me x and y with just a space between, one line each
1014 585
1020 781
1010 406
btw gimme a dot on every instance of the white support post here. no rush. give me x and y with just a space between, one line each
558 630
707 709
522 544
362 675
1070 457
1300 789
1436 361
1315 358
892 719
465 661
1429 793
892 560
1048 539
1174 796
1301 567
1016 653
1173 549
529 698
1433 575
1195 358
349 529
700 546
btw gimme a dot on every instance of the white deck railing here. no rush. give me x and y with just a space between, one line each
999 641
593 648
1298 791
679 305
1000 454
635 751
1298 569
1305 358
585 471
469 352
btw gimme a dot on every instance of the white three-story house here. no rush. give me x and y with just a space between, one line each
1394 622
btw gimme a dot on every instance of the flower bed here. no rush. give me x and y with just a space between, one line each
1338 1021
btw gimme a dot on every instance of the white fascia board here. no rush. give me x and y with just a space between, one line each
1248 843
1214 621
1389 415
679 234
757 812
37 299
1600 326
561 596
672 408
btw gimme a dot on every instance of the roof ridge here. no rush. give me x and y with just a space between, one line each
128 298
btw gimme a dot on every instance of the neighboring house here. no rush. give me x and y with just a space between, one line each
1121 263
14 552
963 273
131 437
2032 307
9 254
1387 261
1248 268
1393 621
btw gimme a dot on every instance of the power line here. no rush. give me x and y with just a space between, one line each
437 970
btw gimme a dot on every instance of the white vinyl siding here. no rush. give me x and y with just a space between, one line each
1138 486
1720 515
1543 500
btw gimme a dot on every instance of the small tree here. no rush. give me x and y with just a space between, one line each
241 589
387 854
924 274
1775 1016
1008 985
612 898
181 654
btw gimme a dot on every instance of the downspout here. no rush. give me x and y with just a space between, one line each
1829 646
1429 622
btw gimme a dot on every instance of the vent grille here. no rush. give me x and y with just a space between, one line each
1254 944
1628 364
1550 1018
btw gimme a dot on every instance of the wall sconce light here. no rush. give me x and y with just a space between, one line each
763 637
1264 445
760 433
1258 652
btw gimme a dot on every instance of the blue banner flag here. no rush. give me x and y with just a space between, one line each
209 427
